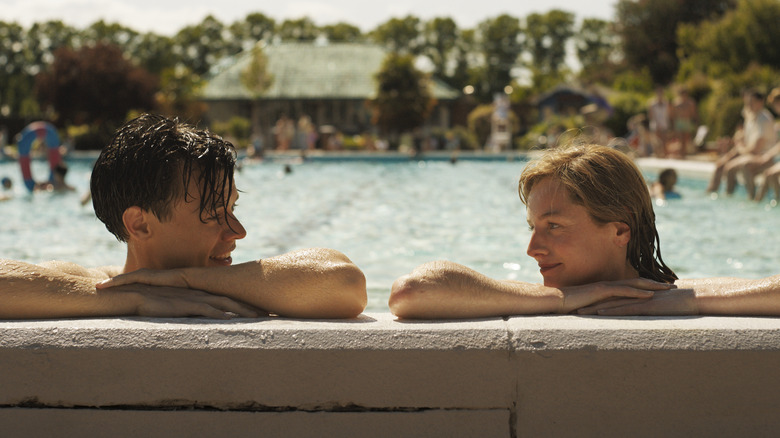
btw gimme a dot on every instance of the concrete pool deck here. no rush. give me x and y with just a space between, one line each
378 376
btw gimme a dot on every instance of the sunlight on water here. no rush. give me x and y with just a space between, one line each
389 218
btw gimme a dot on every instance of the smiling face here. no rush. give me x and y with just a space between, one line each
184 240
569 246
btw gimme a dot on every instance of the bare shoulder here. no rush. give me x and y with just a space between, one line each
70 268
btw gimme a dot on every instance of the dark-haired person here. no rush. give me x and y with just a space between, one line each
167 190
595 241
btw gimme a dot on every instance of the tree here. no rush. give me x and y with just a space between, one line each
95 85
400 35
15 82
176 95
597 50
440 38
254 28
342 32
110 33
302 29
256 76
404 99
154 53
499 43
547 35
23 54
648 30
201 46
747 35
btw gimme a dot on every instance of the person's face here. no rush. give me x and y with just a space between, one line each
185 241
569 246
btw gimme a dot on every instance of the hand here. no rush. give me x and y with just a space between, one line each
152 277
576 297
671 302
174 302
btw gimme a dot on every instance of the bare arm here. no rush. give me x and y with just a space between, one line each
448 290
66 290
311 283
708 296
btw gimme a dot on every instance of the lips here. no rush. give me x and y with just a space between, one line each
547 267
222 259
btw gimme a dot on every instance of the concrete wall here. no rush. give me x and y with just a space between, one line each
375 376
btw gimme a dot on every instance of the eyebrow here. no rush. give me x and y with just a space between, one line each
545 215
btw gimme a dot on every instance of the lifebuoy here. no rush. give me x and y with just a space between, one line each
45 132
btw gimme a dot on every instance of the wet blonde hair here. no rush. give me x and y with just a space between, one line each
611 188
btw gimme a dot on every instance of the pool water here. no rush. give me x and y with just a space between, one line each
390 217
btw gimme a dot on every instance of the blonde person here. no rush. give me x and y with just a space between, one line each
167 190
594 238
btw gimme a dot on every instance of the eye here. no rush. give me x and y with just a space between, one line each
552 225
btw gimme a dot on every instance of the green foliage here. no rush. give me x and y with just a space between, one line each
549 130
480 124
254 28
255 76
747 35
342 32
648 30
465 138
547 35
400 35
237 129
721 105
302 29
625 106
177 93
199 47
634 81
498 40
441 38
404 99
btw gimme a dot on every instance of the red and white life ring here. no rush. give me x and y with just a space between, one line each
47 133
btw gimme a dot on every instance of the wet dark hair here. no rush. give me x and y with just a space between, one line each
149 164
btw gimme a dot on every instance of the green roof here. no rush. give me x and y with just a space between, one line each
309 71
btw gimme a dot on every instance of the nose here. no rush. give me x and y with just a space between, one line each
536 245
233 230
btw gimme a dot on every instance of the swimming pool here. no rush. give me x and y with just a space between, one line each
389 217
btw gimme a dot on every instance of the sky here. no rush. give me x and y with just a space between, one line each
166 17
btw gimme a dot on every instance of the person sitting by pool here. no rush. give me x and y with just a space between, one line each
167 190
749 154
594 238
664 188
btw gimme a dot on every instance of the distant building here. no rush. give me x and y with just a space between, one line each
329 83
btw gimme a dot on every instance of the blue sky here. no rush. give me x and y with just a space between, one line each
168 16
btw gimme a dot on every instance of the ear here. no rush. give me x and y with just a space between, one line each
137 224
622 233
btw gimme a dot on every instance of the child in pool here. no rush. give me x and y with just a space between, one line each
664 188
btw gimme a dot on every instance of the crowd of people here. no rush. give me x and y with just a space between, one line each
751 155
